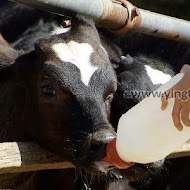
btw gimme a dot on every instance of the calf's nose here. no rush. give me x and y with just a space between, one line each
103 136
97 141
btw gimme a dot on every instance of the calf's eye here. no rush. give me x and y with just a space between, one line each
48 91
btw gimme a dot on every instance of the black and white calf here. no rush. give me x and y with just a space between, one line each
67 84
59 93
137 77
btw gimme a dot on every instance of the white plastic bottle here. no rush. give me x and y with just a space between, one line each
146 133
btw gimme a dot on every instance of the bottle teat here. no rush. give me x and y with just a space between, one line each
113 157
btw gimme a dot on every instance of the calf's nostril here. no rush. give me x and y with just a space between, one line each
96 144
103 136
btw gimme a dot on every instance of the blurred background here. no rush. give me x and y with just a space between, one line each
177 8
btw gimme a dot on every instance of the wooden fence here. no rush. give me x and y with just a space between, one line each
25 157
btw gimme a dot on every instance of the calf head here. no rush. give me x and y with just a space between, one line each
67 87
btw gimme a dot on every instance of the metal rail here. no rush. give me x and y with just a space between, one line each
164 26
111 15
119 16
88 7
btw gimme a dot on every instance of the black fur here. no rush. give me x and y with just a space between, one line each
129 69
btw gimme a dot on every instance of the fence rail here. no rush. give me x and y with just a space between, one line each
24 157
18 157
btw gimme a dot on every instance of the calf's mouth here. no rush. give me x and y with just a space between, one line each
137 172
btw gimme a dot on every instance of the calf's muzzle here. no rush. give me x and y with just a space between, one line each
103 136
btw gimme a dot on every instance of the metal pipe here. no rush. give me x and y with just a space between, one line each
110 14
119 16
164 26
93 8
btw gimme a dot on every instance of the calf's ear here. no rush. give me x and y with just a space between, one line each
8 63
3 41
7 56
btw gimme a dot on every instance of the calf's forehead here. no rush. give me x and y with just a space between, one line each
78 66
86 57
78 54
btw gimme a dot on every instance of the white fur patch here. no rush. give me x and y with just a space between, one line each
156 76
104 49
78 54
60 30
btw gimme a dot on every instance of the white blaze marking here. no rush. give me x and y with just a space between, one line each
60 30
78 54
156 76
104 49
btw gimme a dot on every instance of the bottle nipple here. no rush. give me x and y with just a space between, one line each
113 157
